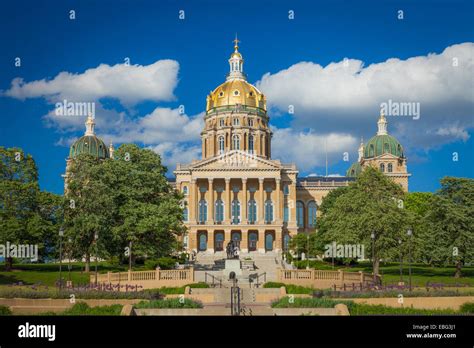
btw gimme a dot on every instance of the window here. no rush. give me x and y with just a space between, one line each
371 150
386 148
185 190
300 214
236 93
221 94
268 211
236 142
382 167
251 143
221 144
185 214
236 122
221 122
252 211
219 211
286 242
286 190
235 212
312 208
250 122
390 167
202 211
286 213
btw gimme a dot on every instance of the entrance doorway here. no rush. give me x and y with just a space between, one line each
236 238
269 242
219 241
253 239
202 241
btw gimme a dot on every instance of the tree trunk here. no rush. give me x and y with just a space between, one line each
458 273
8 264
88 263
376 267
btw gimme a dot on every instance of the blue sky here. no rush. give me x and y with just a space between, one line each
388 58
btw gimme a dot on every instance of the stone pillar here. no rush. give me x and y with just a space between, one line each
261 241
278 201
192 202
261 205
210 240
226 238
210 216
228 202
244 242
244 201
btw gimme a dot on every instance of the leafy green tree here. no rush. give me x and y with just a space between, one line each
148 215
27 215
368 206
452 221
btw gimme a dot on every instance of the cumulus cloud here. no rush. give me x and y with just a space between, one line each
130 84
171 153
308 149
346 96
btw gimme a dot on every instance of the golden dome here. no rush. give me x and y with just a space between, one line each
236 91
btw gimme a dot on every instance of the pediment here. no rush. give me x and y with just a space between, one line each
236 159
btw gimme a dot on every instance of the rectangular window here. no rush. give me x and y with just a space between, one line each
286 214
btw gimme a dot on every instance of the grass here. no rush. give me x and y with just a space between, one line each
82 308
169 303
290 288
365 309
390 272
180 289
4 310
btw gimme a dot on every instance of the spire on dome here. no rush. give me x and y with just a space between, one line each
90 125
382 125
361 149
236 63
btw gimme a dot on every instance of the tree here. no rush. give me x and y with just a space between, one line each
452 221
88 208
147 215
28 216
368 206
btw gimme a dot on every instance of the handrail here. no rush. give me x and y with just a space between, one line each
264 275
214 278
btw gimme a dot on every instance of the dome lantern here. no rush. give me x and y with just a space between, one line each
236 63
382 125
90 125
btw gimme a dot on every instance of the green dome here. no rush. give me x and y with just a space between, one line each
381 144
354 170
89 144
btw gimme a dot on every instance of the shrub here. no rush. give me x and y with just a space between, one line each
290 288
467 307
308 303
5 310
364 309
169 303
82 308
199 285
271 285
163 263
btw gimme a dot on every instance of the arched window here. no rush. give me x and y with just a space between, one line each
371 150
286 213
300 214
202 211
235 212
286 242
221 144
252 211
221 122
185 214
236 121
219 211
250 119
286 190
268 211
236 142
185 190
390 167
202 242
382 167
312 209
251 143
386 148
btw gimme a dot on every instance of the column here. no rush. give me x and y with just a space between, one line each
228 202
192 202
210 204
278 201
210 240
261 205
244 242
244 203
261 241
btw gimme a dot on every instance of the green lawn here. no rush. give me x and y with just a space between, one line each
421 274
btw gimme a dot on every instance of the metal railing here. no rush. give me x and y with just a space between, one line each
215 280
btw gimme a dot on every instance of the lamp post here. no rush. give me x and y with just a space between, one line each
307 249
409 233
61 234
401 261
372 236
96 236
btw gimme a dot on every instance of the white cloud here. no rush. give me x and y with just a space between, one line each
307 149
346 96
130 84
171 153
